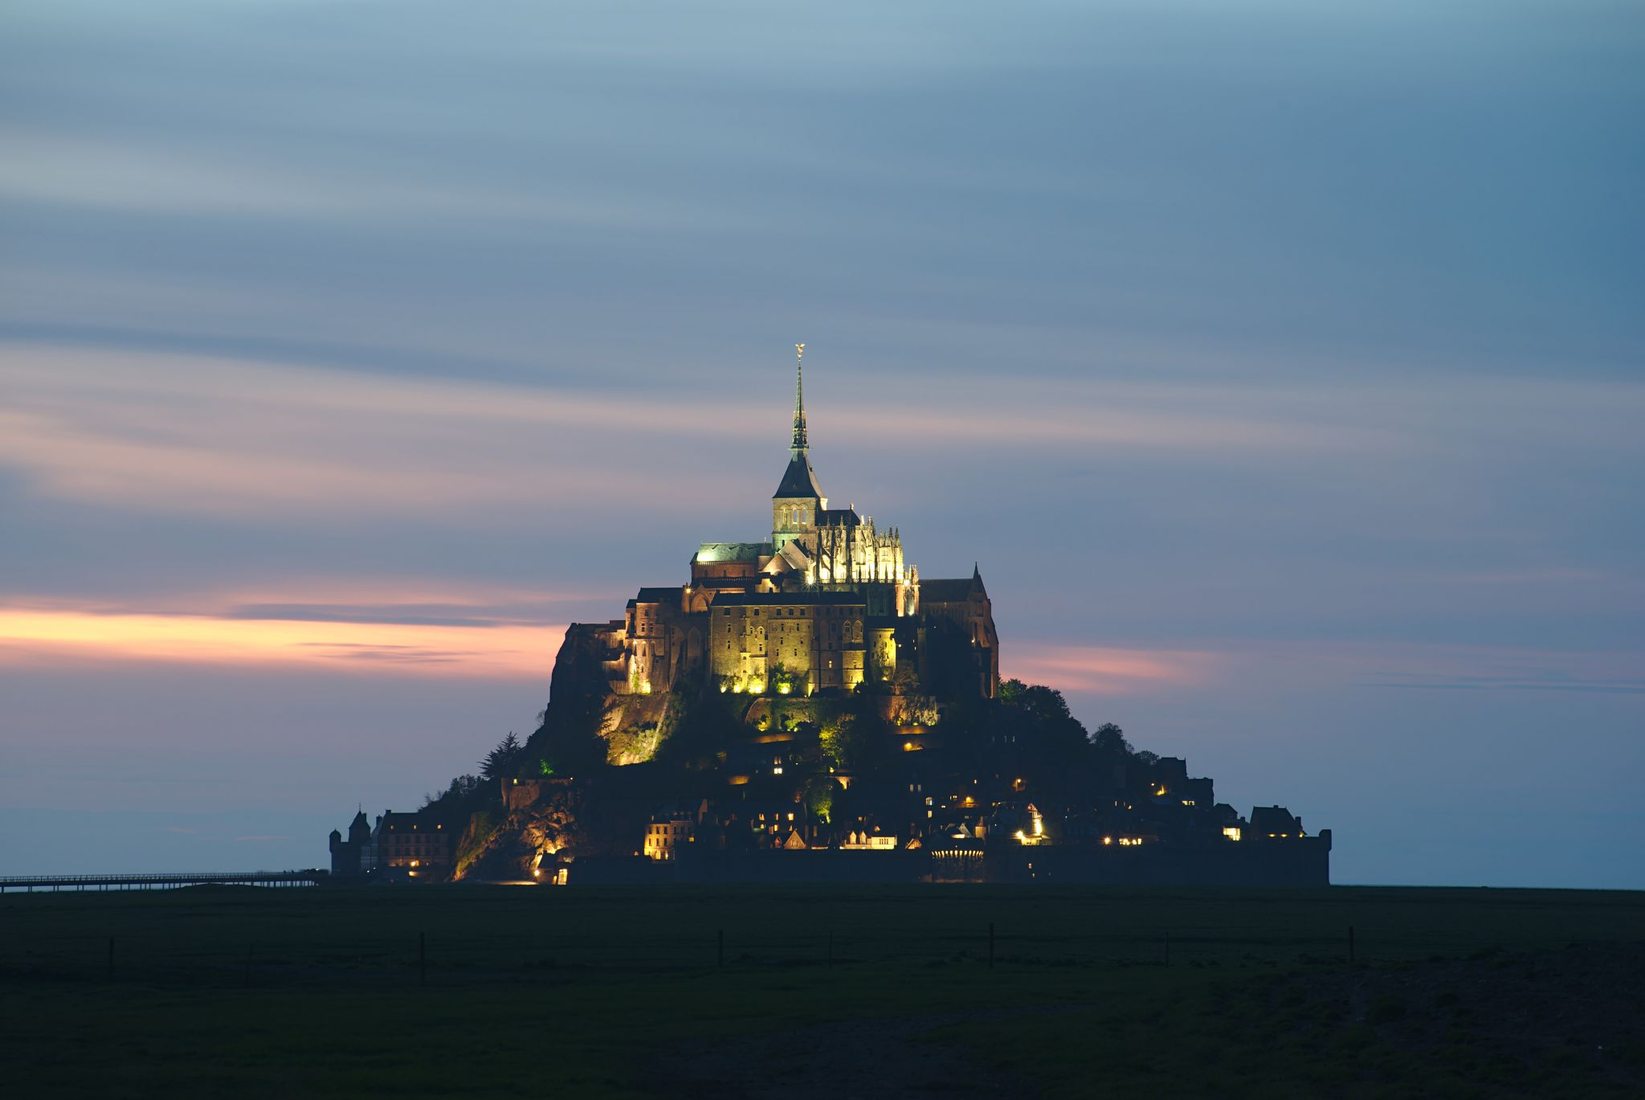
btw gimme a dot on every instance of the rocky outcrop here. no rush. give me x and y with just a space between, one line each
556 819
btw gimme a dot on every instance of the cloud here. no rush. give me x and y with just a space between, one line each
1550 575
376 598
1498 683
487 650
107 174
1247 666
1510 671
1416 664
1106 670
238 437
233 437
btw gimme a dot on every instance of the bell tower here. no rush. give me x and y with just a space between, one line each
795 504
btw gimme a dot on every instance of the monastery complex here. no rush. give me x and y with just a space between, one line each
808 707
827 602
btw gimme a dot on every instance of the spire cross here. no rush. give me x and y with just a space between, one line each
799 445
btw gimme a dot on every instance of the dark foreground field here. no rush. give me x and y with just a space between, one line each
835 994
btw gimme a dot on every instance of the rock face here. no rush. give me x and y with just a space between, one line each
587 724
541 820
571 739
545 821
633 727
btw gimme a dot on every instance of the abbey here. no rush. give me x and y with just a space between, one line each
807 707
826 603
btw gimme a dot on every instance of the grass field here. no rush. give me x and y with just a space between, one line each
801 992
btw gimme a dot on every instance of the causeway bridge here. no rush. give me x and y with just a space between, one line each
171 881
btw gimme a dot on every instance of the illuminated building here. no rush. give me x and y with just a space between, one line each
827 602
412 844
670 832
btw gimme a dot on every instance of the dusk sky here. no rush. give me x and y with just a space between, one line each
1279 363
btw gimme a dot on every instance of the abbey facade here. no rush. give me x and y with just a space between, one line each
824 605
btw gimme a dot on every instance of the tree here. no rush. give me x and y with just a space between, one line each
502 761
465 795
699 727
865 736
1110 739
1045 704
1038 740
819 797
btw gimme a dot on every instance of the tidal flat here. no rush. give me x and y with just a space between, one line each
812 992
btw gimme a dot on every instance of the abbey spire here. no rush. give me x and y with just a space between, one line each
795 504
799 444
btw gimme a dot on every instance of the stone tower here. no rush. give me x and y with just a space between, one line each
795 504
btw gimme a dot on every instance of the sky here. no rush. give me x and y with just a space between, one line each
1280 364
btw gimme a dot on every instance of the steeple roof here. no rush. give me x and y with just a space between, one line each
799 480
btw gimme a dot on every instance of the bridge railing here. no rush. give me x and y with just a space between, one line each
161 880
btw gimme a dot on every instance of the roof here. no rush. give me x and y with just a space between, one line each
838 517
393 821
799 480
732 551
658 595
794 557
948 589
796 554
1274 819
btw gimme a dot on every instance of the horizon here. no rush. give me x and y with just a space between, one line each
1279 369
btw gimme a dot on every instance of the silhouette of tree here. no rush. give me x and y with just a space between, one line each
504 760
1109 740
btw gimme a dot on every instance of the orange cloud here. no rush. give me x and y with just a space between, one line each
483 650
1104 670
